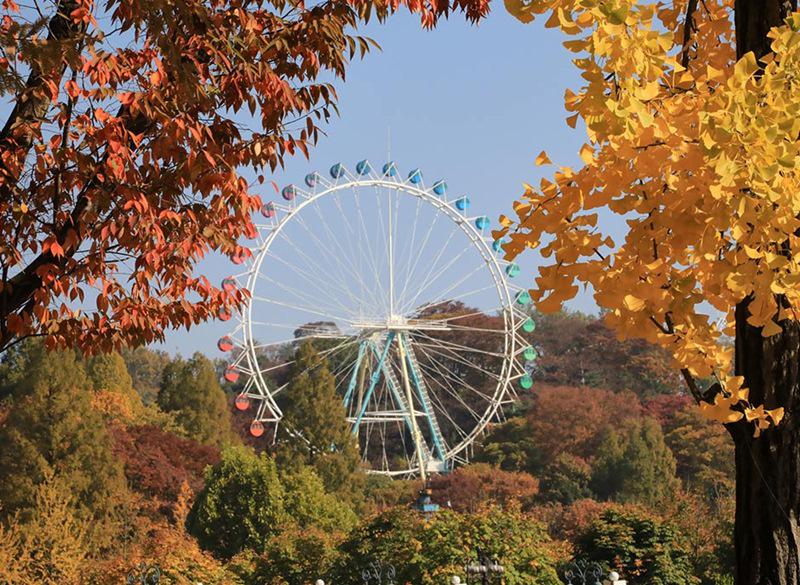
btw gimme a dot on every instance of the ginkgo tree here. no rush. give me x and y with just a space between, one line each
692 111
123 156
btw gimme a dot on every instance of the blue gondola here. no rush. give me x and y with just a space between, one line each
440 187
415 176
337 170
482 222
390 169
462 203
363 167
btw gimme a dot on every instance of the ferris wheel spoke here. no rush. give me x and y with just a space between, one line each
450 384
441 409
444 380
460 297
324 353
457 346
431 267
304 296
303 309
423 246
443 296
318 269
431 278
335 259
347 255
409 247
479 329
449 320
313 283
451 355
356 243
368 250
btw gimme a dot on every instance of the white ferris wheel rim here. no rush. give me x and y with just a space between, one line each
247 362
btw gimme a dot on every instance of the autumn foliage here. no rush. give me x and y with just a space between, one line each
699 153
122 162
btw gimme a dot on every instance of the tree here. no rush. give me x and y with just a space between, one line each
572 420
146 368
241 505
157 463
426 552
245 502
703 454
113 387
476 486
566 479
692 122
314 429
52 430
309 505
123 156
640 547
581 350
295 555
509 446
51 547
635 465
191 390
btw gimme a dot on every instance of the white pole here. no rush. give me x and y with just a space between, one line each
423 473
391 260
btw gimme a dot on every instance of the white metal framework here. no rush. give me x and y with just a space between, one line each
406 295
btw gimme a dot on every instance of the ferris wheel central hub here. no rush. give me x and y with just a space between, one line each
401 324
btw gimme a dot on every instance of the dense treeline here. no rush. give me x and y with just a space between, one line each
115 459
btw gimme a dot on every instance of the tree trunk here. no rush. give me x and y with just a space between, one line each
767 528
767 531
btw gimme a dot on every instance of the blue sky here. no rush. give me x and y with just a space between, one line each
473 104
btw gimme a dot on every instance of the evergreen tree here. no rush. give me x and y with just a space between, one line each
314 429
146 367
114 393
635 465
52 430
190 389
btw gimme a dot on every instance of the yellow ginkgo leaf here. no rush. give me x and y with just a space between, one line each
587 154
771 328
776 414
720 411
633 303
519 10
543 159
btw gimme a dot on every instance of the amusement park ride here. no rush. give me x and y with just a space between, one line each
384 273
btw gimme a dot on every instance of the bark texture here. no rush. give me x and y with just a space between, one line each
767 531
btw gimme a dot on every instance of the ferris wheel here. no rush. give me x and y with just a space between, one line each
403 291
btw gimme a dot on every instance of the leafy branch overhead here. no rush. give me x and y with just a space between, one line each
698 152
121 162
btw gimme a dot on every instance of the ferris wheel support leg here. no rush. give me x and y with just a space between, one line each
418 441
373 381
354 377
422 393
394 387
